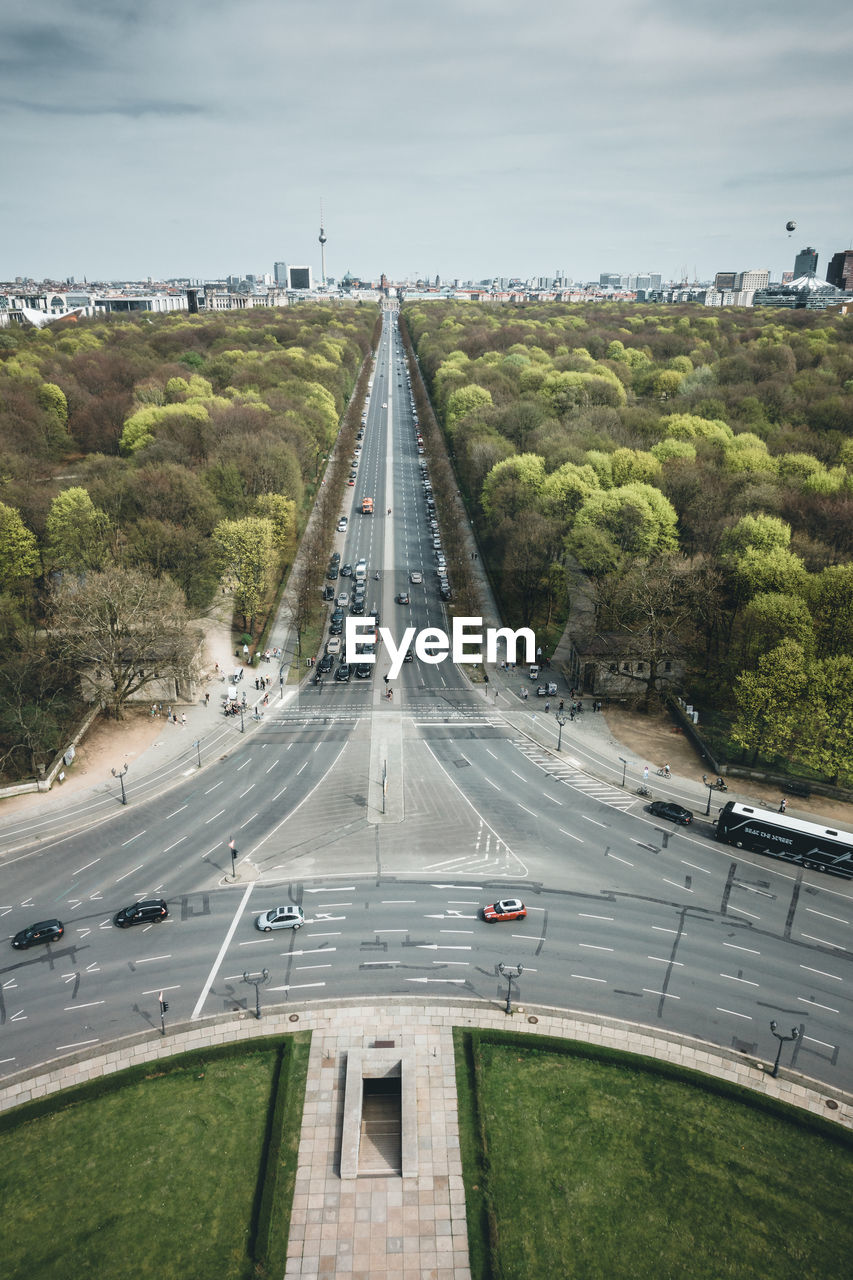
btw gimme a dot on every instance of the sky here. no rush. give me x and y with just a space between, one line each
460 138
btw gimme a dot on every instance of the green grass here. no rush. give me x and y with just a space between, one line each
158 1174
582 1167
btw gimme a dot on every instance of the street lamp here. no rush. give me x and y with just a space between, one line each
795 1032
232 849
561 720
510 971
624 764
242 727
120 776
257 980
710 787
197 745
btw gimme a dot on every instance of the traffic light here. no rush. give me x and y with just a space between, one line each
386 678
164 1005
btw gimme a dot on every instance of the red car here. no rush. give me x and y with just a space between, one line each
506 909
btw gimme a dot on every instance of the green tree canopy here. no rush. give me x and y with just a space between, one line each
76 532
512 487
246 547
637 517
19 557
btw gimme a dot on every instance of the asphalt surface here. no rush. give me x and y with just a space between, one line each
392 823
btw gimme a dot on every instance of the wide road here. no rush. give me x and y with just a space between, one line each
627 917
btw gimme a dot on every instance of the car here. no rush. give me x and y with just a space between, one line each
351 482
415 576
505 909
343 672
342 524
328 592
333 645
336 626
436 543
342 599
335 558
433 524
445 593
384 404
360 435
363 670
402 598
289 917
674 812
409 656
346 570
148 911
358 448
325 664
332 572
357 607
42 931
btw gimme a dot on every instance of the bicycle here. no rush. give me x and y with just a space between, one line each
665 772
642 790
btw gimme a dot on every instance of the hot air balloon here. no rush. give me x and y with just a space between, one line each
790 226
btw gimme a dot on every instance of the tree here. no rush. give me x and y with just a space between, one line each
637 517
827 743
831 600
462 401
773 701
34 705
512 487
19 557
771 617
76 532
247 552
282 512
121 630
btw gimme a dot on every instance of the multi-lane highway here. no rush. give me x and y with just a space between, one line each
391 822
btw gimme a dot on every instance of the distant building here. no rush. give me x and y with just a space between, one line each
299 278
806 293
840 270
756 278
280 273
724 280
805 263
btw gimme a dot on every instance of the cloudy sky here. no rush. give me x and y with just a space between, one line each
464 138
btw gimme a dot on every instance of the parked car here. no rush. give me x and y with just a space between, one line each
357 606
674 812
332 572
342 524
346 570
546 690
328 592
42 931
149 911
445 593
505 909
289 917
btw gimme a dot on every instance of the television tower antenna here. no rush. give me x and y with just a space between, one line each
322 239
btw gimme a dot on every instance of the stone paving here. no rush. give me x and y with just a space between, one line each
392 1227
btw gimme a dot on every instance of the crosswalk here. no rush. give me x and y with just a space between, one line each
572 776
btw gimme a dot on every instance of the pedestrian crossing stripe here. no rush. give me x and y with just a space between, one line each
593 787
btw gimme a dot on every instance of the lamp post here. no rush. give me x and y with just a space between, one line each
257 980
197 745
232 849
624 764
561 720
710 787
795 1033
242 726
510 971
120 775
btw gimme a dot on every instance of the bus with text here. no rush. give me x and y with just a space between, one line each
808 844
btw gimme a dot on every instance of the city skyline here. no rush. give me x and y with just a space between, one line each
465 142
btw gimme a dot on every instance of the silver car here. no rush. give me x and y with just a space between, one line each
289 917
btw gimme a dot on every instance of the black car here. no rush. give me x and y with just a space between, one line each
445 593
346 570
325 664
43 931
342 672
328 592
336 627
409 656
363 670
674 812
357 607
336 558
332 572
149 911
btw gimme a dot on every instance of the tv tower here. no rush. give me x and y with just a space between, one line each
322 239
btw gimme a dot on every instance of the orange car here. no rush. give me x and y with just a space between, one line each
506 909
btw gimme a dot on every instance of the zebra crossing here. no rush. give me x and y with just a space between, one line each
615 797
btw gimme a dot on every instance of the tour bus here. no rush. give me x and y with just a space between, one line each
809 844
367 506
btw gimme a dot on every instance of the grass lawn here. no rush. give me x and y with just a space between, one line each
588 1168
157 1177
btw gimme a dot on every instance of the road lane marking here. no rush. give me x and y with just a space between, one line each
125 843
156 990
667 995
215 785
587 915
664 960
595 821
129 873
573 836
734 946
591 946
71 1008
87 866
170 847
812 910
732 977
151 959
616 858
816 1005
835 977
694 867
682 887
78 1044
836 946
584 977
526 810
225 944
734 1014
215 816
175 814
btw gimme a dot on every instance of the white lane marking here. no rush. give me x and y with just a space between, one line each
813 911
734 1014
823 942
835 977
694 867
70 1008
734 946
573 836
151 959
649 991
465 931
125 843
272 766
281 793
662 928
215 816
246 823
526 810
453 981
492 784
304 968
595 821
732 977
396 902
170 847
251 787
681 887
339 888
491 753
78 1044
584 977
169 816
366 964
823 1044
748 888
591 946
814 1004
664 960
243 765
297 986
616 858
587 915
304 765
129 873
156 990
215 785
518 775
553 801
741 912
87 866
244 902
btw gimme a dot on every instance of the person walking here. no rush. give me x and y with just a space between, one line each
783 804
645 773
183 719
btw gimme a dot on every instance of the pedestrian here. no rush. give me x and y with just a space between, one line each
645 773
153 708
572 712
216 667
266 699
257 683
783 805
183 719
547 706
207 699
159 708
245 651
169 714
561 704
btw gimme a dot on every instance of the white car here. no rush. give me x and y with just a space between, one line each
289 917
415 576
342 524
